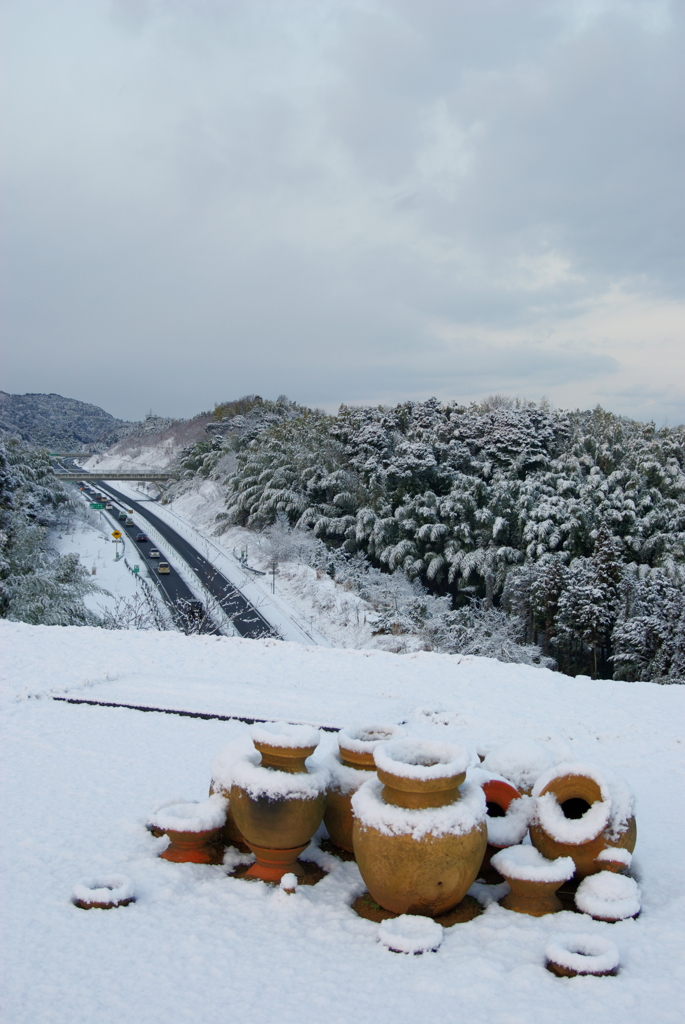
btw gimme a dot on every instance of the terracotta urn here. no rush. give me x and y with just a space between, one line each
419 829
348 770
195 829
533 880
277 801
580 812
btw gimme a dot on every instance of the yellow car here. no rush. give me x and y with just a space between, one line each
163 567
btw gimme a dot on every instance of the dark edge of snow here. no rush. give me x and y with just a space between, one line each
185 714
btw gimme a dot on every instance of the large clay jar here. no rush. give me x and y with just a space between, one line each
581 811
348 770
419 829
277 801
194 828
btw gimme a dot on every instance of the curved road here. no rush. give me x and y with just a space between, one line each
246 619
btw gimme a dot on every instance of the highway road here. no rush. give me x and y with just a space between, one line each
246 619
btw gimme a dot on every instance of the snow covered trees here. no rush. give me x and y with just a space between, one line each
508 504
36 585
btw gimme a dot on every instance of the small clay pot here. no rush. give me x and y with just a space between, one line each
195 847
432 873
103 894
571 956
572 791
531 897
533 880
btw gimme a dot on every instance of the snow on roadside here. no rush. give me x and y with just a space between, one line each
96 550
80 781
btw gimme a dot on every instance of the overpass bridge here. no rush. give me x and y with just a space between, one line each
107 474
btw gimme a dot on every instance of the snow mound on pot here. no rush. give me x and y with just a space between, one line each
609 896
612 812
269 782
190 815
525 862
105 889
615 855
413 758
285 734
521 762
227 756
363 739
457 818
586 954
410 933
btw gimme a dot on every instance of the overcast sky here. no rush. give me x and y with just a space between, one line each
345 201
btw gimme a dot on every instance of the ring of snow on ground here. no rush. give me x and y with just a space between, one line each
363 739
111 889
609 896
411 933
413 758
527 863
585 954
190 815
285 734
248 773
612 812
457 818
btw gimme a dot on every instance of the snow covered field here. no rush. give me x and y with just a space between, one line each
197 945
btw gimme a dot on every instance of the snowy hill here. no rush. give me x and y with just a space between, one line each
56 422
197 945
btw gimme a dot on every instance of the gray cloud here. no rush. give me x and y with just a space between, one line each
342 202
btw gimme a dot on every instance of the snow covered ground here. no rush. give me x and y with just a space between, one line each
197 945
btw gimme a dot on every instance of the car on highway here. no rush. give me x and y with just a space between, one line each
122 515
163 567
154 553
129 521
109 506
142 538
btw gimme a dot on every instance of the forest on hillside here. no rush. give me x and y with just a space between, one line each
551 536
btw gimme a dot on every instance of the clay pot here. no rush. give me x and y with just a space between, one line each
570 956
356 746
278 804
419 840
195 829
103 893
499 795
576 793
195 847
532 879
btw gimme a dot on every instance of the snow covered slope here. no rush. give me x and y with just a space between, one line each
197 945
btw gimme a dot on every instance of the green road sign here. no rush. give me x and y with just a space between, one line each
136 568
97 504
